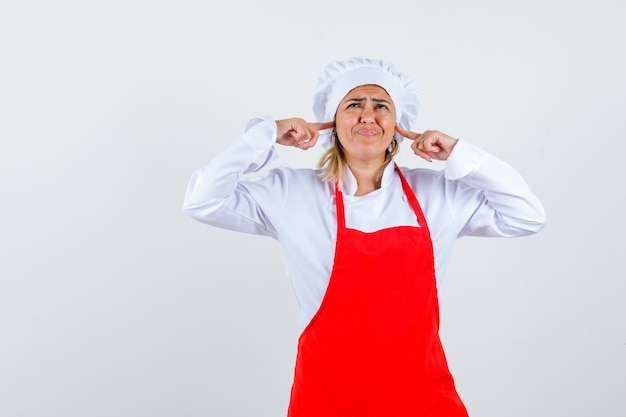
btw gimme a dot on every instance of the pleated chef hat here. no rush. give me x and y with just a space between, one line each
339 77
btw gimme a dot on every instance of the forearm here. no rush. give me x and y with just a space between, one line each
212 189
504 203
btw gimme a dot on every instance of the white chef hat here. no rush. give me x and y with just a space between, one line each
339 77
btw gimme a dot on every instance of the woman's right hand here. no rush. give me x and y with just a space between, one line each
299 133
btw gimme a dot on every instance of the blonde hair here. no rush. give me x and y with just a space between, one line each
333 161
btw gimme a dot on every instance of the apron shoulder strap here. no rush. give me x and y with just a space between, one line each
341 218
408 191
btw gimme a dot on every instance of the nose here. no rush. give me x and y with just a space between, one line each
367 115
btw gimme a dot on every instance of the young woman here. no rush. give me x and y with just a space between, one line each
364 240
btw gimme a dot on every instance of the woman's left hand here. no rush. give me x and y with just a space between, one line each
431 144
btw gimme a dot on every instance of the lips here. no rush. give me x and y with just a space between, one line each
367 132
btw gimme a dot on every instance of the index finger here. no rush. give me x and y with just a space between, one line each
407 133
322 126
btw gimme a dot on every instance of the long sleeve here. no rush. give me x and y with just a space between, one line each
496 200
216 194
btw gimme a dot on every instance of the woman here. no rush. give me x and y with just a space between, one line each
364 240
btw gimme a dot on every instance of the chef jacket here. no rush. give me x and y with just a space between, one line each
476 194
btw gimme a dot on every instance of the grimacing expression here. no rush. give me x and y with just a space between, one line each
365 122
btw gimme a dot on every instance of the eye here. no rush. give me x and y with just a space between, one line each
382 106
353 105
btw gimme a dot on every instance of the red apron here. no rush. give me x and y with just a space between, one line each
373 347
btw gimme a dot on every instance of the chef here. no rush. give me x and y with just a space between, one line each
365 241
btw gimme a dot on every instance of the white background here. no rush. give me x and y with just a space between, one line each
114 303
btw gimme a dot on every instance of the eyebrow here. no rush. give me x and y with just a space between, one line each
376 100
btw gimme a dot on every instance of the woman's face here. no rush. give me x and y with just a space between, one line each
365 123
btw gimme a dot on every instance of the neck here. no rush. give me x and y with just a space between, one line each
368 175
